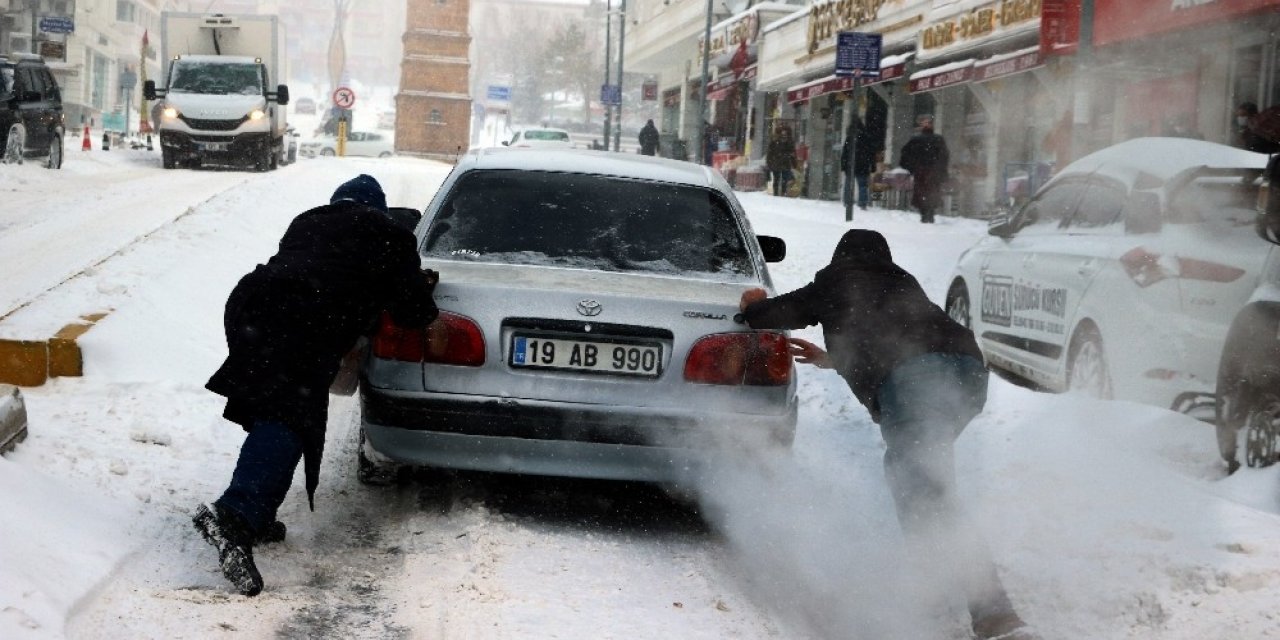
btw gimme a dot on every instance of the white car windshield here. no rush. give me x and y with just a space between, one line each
589 222
217 78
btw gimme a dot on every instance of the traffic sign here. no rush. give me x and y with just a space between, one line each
499 93
57 24
858 54
611 94
344 97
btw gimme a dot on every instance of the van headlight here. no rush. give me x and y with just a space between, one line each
170 113
257 114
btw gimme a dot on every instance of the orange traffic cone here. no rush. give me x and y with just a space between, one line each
86 146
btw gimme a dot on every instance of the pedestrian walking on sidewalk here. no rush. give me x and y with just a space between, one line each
780 158
926 156
288 324
857 161
648 139
922 378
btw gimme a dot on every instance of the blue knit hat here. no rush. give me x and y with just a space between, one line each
363 189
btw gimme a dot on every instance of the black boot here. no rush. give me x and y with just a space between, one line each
1005 625
230 535
273 532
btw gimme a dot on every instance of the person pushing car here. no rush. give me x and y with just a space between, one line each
288 324
922 377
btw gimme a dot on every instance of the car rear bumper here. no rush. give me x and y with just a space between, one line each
560 439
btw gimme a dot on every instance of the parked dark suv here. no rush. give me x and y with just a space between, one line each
31 119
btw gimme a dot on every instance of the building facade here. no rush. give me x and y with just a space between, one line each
433 107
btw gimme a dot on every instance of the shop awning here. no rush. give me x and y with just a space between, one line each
722 86
820 87
1008 64
946 75
892 68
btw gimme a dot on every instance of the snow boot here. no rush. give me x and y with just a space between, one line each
1002 626
229 534
273 532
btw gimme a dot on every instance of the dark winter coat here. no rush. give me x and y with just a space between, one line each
926 156
648 139
860 148
290 321
781 153
874 315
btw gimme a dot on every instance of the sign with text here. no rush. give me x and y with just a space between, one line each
940 79
498 93
978 25
990 70
611 94
57 24
805 93
858 54
649 90
1059 27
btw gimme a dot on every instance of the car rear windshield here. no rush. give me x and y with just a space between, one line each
545 135
589 222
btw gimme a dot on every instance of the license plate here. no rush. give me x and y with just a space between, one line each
213 146
631 358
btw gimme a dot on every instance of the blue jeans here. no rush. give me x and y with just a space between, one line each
864 196
263 475
925 404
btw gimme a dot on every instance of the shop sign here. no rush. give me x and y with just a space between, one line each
808 92
1059 27
936 81
671 97
892 72
649 90
858 54
52 50
978 24
826 19
744 29
1120 20
987 70
728 80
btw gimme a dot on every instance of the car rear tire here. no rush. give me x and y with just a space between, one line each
54 161
958 305
13 146
327 152
1262 430
1087 364
384 154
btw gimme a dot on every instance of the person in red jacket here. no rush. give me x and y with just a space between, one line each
922 378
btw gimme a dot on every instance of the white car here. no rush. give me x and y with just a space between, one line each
359 143
540 138
1121 276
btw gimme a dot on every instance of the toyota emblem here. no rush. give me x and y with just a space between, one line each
589 308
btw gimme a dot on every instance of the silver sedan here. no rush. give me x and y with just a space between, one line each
587 325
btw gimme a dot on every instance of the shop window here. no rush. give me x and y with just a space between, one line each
125 11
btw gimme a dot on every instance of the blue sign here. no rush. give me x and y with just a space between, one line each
611 94
499 93
57 24
858 54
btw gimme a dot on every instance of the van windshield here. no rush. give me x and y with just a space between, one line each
217 78
589 222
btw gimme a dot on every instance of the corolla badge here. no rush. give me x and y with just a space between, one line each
589 308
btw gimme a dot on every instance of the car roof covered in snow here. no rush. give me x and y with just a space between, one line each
1159 158
603 163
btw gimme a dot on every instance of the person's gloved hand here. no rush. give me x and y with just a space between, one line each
751 296
806 352
431 276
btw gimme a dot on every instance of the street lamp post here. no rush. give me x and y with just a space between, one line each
622 42
608 45
702 94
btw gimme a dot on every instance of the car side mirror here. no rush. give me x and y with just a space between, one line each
149 89
1142 212
506 143
282 95
773 248
405 217
1002 226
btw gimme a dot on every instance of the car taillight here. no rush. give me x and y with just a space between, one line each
1147 268
451 339
747 358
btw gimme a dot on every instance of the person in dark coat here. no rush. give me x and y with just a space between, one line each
288 325
857 161
648 139
925 155
780 158
922 378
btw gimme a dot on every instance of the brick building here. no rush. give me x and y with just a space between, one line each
433 108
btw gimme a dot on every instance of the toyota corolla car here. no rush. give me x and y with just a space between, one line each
1121 277
587 325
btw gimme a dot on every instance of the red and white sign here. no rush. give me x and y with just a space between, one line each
1059 27
344 97
1120 20
807 92
1007 66
940 79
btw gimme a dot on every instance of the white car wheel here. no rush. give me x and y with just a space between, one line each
1087 364
13 145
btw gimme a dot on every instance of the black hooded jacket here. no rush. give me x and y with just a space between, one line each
290 321
874 315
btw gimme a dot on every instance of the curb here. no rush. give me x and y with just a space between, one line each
30 363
